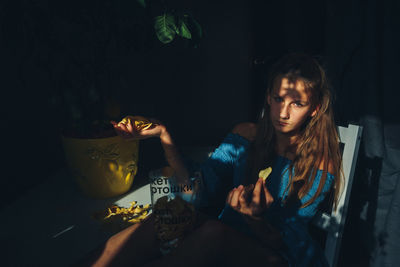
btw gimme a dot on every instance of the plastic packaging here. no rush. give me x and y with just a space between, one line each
174 206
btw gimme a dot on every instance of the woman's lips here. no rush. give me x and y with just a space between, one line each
281 123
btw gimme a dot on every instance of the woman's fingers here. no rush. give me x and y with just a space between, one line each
124 131
242 198
229 197
234 199
118 130
235 196
257 192
247 194
122 127
129 127
268 197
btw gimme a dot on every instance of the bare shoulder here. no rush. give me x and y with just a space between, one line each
247 130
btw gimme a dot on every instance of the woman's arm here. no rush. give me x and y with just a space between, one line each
158 130
172 155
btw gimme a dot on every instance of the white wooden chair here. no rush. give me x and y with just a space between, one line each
333 222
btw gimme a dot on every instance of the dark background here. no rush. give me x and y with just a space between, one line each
199 93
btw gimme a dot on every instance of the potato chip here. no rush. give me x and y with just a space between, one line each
265 173
140 123
120 218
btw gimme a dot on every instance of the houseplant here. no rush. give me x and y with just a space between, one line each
94 44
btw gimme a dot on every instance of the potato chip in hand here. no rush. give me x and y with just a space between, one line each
265 173
139 122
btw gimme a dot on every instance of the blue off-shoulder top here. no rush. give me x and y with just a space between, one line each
229 162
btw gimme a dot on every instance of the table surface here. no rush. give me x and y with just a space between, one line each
52 225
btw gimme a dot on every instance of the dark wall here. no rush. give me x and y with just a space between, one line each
280 27
200 93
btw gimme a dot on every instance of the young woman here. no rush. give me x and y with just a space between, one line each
263 222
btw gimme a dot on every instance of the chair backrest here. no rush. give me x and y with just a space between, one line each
333 222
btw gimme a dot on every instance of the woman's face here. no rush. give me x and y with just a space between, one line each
289 106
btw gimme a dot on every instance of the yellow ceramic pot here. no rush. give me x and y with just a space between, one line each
103 167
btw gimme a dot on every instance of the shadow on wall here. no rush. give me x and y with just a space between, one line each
358 240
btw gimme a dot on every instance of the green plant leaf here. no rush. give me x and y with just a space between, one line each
165 28
183 30
195 30
142 2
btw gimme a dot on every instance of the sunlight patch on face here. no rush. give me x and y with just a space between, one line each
289 106
295 90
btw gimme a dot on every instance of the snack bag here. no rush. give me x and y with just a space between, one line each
173 207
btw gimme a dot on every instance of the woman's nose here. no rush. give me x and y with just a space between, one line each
284 114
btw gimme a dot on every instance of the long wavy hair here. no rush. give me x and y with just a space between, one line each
318 141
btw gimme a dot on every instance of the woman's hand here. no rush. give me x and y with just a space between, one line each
129 130
157 129
255 204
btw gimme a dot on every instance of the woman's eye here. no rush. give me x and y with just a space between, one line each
298 104
278 99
